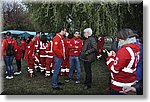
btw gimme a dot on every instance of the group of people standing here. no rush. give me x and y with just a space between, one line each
61 54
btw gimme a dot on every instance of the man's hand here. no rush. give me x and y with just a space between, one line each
111 53
128 89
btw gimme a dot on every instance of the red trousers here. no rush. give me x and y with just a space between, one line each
43 63
30 66
49 64
36 62
65 66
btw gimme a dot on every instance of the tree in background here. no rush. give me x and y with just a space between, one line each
16 16
103 18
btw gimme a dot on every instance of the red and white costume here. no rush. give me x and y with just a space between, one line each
43 55
30 56
49 58
123 66
65 63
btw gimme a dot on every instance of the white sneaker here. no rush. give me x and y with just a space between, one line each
17 73
77 82
7 77
11 77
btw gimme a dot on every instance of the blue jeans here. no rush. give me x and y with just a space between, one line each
9 66
57 68
74 61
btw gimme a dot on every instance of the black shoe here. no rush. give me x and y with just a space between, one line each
86 87
60 83
57 88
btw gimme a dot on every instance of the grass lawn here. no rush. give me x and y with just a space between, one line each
23 85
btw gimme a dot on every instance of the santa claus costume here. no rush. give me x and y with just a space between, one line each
122 64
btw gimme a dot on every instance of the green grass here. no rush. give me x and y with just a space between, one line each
23 85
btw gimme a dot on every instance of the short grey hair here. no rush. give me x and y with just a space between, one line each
88 30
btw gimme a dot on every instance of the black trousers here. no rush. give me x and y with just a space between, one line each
18 62
88 74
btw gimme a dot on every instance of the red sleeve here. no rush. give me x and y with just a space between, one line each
121 60
56 49
4 44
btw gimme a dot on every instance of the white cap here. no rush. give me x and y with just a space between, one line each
88 30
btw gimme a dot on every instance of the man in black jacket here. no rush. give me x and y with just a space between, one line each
88 55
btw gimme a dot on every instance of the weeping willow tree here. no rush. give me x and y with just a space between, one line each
103 18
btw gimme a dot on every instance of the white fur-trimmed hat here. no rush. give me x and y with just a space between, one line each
88 30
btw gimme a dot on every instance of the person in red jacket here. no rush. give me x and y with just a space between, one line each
23 44
123 63
37 56
65 63
8 51
18 56
30 56
100 45
59 55
75 47
42 52
49 59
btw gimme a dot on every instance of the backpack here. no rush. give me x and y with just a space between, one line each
10 49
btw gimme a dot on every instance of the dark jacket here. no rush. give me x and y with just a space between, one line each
139 87
89 50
